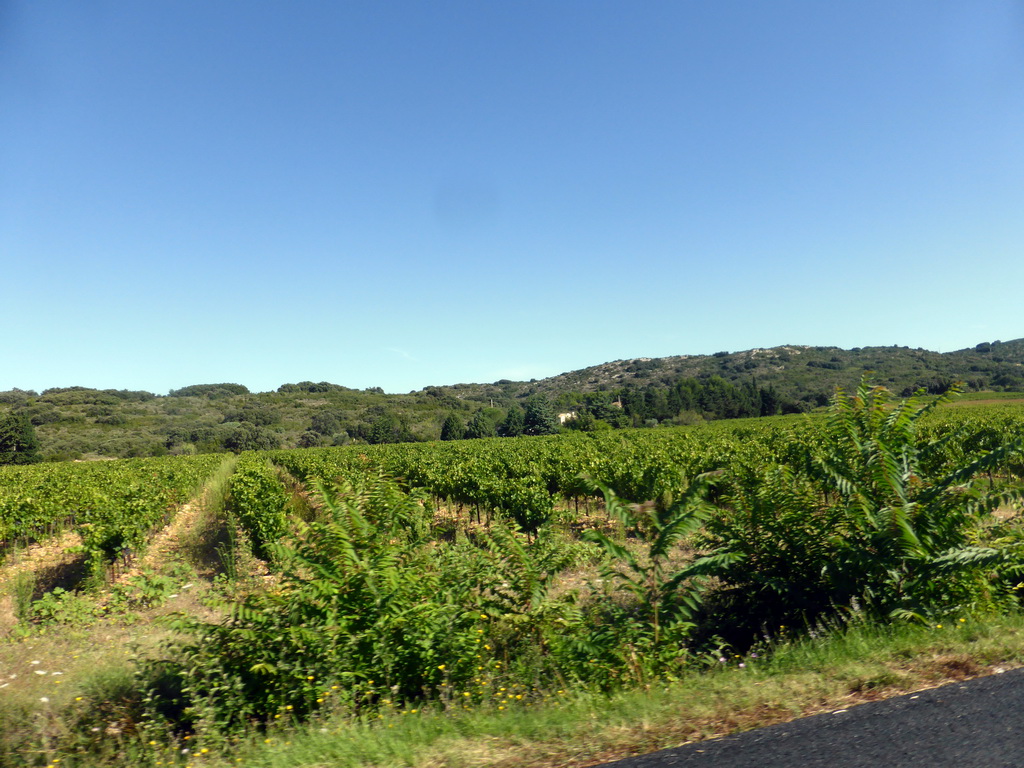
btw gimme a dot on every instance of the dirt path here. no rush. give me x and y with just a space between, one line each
194 538
52 563
55 562
42 555
175 542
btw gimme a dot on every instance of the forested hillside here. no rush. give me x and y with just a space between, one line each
79 422
806 373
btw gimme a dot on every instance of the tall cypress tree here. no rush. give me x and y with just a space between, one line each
539 419
479 426
453 428
18 442
513 425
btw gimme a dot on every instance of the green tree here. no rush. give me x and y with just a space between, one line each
479 426
325 422
666 596
250 437
453 428
584 421
771 404
311 439
18 443
209 390
539 419
389 428
253 413
514 424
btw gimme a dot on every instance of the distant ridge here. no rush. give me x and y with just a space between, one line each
81 422
799 371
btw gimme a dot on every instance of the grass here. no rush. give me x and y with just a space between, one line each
838 669
800 678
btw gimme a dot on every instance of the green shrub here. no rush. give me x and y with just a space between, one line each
869 514
60 606
359 615
648 633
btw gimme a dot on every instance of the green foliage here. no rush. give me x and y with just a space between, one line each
313 388
325 422
538 417
514 424
69 395
649 635
145 590
260 503
585 421
310 439
210 390
869 513
80 422
22 591
379 603
18 443
512 580
880 505
60 606
17 396
444 399
250 437
480 426
453 428
253 413
114 505
388 428
121 514
42 413
359 613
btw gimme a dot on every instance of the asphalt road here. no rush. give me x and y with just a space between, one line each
973 724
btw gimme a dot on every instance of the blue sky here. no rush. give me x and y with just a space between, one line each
409 193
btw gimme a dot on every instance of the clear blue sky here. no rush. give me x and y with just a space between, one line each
408 193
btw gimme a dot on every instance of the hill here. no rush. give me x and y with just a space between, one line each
802 372
79 422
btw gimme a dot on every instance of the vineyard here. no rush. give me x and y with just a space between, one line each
499 573
116 506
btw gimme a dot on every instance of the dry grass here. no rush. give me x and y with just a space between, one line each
44 566
52 661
